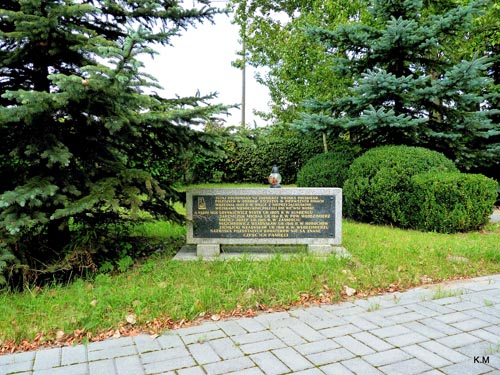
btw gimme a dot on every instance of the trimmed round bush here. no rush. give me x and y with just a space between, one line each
326 170
379 184
451 202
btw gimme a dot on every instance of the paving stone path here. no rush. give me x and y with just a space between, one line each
451 328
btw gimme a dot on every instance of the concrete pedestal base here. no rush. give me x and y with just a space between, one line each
207 250
325 250
224 252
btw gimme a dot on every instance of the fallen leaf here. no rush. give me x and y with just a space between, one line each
215 317
78 332
305 296
349 291
59 335
131 319
424 279
93 302
249 313
38 337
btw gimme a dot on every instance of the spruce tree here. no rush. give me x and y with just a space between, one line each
409 84
85 140
486 37
296 66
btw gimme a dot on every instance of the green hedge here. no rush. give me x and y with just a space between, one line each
248 155
252 162
451 202
379 182
327 169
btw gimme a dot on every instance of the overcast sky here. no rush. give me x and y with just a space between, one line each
200 59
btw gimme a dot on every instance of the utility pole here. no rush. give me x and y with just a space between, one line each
243 81
243 68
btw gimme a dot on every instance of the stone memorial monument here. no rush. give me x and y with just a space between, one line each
249 217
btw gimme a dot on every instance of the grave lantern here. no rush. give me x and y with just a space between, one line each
275 177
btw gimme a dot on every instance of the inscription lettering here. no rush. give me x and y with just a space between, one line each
280 216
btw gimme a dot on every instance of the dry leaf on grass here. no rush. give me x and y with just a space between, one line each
215 317
131 319
349 292
59 335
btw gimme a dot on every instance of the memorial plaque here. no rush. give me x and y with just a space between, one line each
279 216
264 216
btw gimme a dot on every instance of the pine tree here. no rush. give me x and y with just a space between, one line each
409 86
81 138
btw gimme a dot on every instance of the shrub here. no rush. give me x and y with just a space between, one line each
247 155
327 169
379 182
491 172
451 202
251 161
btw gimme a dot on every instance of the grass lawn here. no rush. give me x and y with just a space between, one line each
161 293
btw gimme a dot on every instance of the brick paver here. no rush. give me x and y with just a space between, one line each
413 332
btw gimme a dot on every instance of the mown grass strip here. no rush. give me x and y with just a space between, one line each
383 258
